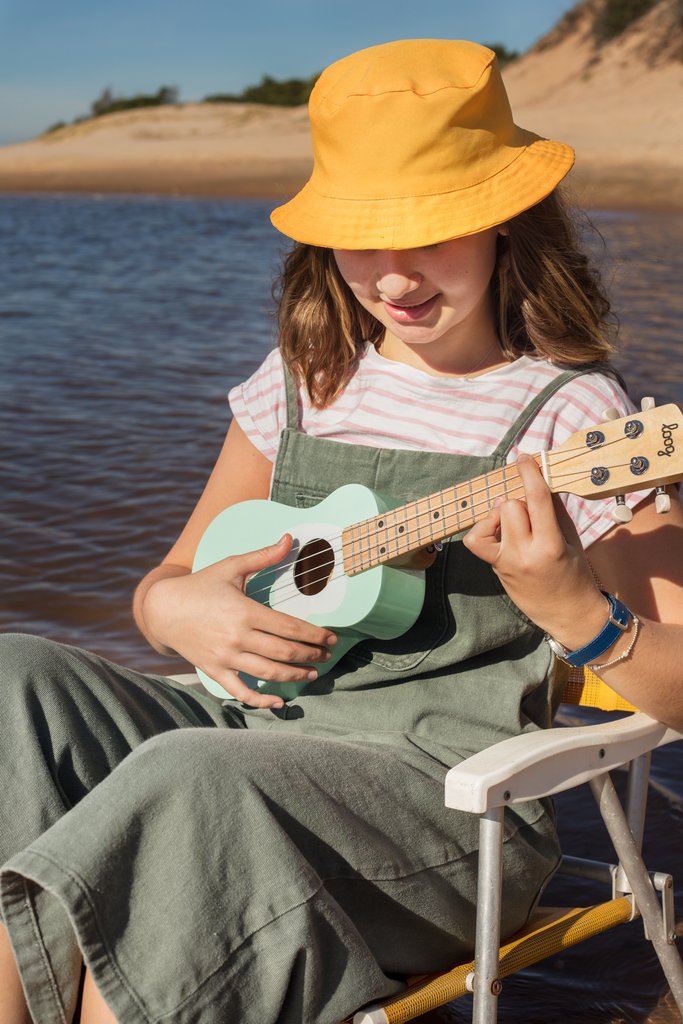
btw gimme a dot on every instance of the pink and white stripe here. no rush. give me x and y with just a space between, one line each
391 405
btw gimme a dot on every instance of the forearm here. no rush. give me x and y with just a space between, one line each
146 621
651 674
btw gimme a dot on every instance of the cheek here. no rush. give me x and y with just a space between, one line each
476 269
348 265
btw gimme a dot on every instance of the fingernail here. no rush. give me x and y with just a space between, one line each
331 639
313 674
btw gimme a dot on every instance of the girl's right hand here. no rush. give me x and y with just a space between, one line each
207 619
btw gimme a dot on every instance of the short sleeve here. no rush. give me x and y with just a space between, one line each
579 405
260 405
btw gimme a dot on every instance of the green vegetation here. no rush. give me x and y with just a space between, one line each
504 55
615 16
289 92
107 103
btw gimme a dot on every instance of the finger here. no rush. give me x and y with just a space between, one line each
252 561
483 540
276 648
233 685
268 620
515 526
566 523
538 496
421 559
275 671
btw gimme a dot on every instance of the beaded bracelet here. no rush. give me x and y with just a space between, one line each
624 655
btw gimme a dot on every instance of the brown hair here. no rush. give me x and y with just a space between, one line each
550 303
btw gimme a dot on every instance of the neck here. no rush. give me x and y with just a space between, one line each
382 538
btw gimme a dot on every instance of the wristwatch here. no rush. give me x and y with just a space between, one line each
616 624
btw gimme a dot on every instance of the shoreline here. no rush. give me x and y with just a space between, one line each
593 186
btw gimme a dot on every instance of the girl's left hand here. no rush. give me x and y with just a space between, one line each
534 549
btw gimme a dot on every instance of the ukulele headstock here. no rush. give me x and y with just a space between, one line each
620 455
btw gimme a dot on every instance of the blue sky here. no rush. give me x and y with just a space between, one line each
56 57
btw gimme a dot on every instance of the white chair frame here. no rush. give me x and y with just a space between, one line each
544 763
541 764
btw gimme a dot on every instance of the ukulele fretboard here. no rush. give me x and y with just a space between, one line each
382 538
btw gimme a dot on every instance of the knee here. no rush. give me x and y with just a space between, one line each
24 657
196 757
35 671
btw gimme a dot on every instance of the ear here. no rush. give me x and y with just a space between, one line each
503 230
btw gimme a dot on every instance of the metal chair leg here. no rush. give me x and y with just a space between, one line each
487 985
639 881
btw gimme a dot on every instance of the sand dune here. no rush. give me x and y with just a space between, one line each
619 106
200 149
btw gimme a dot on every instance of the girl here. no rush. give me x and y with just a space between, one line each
437 320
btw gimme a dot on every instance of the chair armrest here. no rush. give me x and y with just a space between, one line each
549 761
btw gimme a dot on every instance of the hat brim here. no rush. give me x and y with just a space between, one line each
409 222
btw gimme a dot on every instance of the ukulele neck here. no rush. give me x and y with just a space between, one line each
382 538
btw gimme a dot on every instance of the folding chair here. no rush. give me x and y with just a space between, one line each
529 767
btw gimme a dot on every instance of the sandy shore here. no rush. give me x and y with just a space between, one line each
216 149
619 108
236 150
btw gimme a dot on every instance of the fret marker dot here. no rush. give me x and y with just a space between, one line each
401 529
436 515
463 504
380 523
382 551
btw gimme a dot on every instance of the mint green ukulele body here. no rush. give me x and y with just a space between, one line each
336 574
312 582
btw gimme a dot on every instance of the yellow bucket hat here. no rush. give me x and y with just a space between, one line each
413 144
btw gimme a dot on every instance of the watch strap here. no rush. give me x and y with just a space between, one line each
616 624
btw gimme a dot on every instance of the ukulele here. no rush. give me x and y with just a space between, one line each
336 574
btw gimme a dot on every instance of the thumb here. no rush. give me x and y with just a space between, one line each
252 561
483 540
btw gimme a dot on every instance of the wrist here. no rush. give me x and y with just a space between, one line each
152 602
616 623
581 622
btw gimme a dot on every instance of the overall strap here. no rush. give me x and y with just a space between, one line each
292 399
528 414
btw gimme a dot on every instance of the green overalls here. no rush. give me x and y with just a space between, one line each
292 866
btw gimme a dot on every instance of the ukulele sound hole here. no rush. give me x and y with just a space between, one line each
314 567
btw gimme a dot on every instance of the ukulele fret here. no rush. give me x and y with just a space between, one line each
628 458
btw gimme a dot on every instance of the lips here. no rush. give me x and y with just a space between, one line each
412 313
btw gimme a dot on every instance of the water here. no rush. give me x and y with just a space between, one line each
123 322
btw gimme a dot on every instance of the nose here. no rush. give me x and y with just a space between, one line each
397 277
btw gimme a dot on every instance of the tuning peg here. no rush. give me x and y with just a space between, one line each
647 403
662 500
611 413
621 513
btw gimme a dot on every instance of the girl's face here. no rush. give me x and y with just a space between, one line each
434 302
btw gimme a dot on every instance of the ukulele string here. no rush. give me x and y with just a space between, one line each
369 546
558 456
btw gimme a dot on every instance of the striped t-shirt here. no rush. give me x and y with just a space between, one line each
390 405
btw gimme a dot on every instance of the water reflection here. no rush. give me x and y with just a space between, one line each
123 322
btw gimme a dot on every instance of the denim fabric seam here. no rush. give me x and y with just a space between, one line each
85 893
76 879
54 988
397 879
290 910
